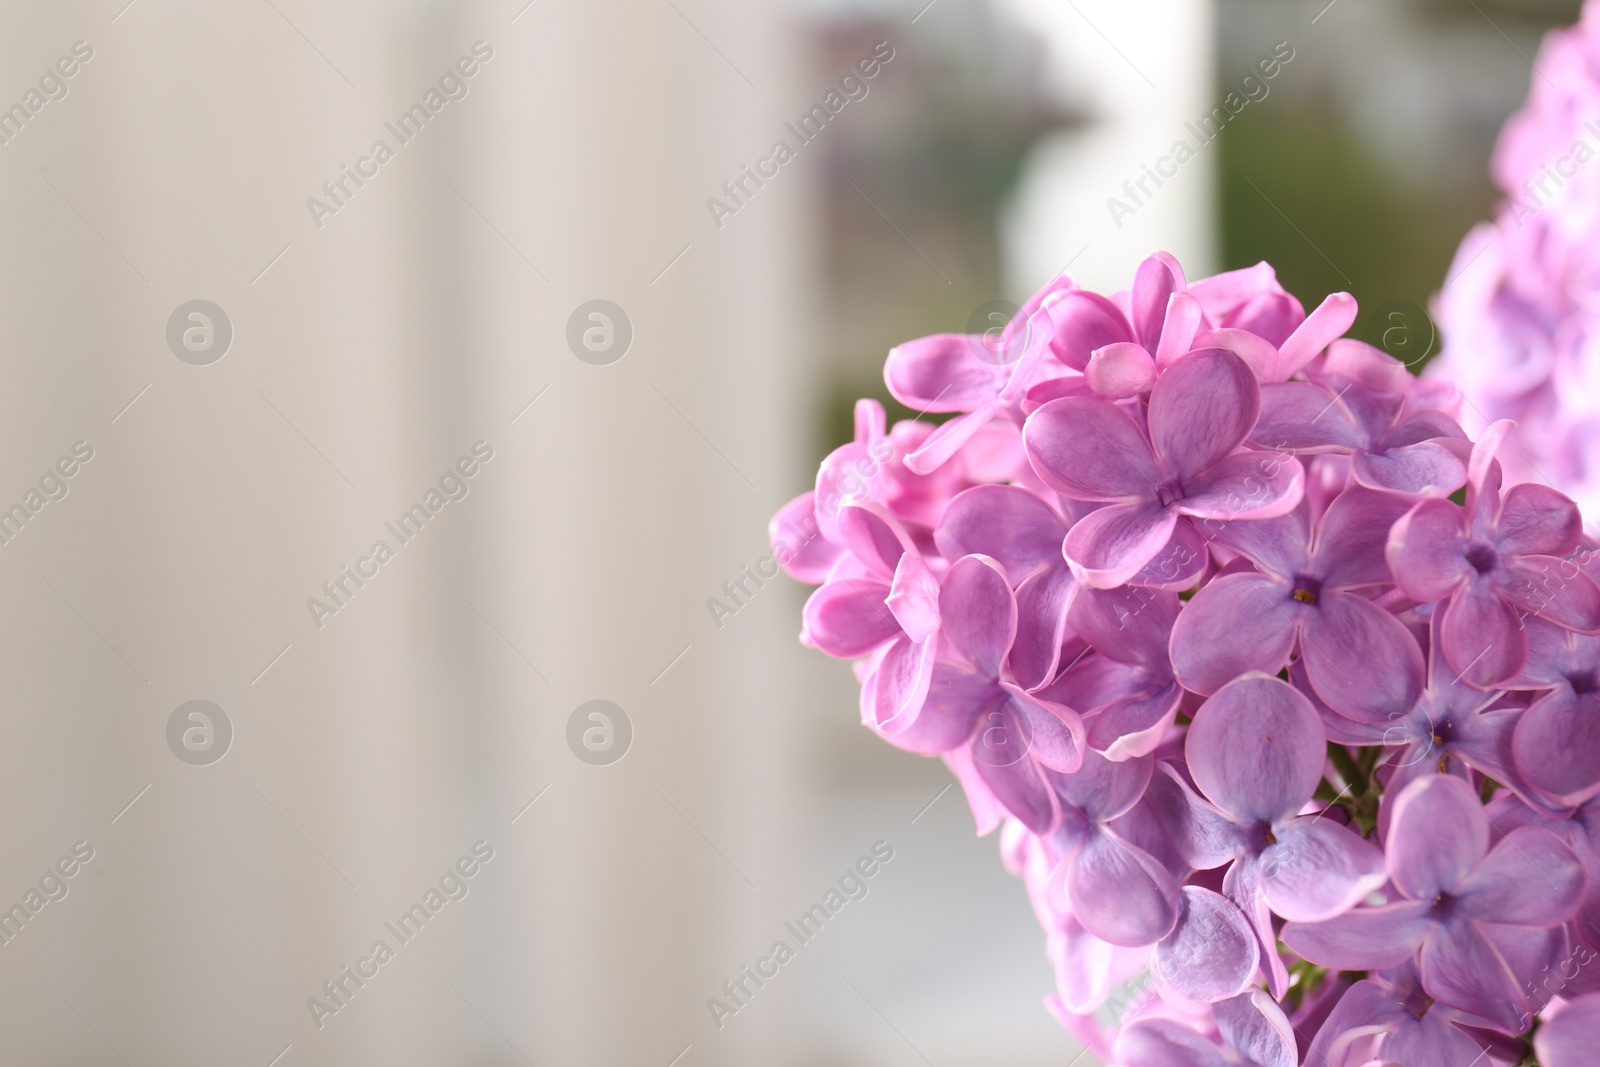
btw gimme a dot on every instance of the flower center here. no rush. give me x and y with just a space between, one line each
1306 589
1583 683
1169 494
1443 905
1482 557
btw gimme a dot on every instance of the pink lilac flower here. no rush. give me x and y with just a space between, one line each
1022 533
1011 734
1392 1019
1128 696
1450 728
1556 743
880 601
1253 1030
1580 828
1348 411
1492 563
1200 412
1305 595
1256 751
1454 889
1120 892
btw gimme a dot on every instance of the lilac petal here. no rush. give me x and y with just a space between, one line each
1256 1028
1090 449
1484 742
1305 417
1272 316
1462 969
1201 409
941 373
980 612
1432 1042
1243 884
1537 958
1321 328
1246 485
1555 589
1556 745
1120 893
1154 283
1179 565
1362 939
1141 828
846 618
1108 546
797 544
1237 623
1482 635
1129 624
1162 1043
955 701
1019 788
1222 294
897 685
1136 725
1120 371
1570 1039
1183 321
1211 954
1353 537
913 597
1056 734
1042 604
1083 322
1536 520
1426 468
1102 790
1371 370
948 437
1082 965
1531 878
1256 749
1361 660
1202 835
1278 546
1484 475
987 812
1257 352
1426 550
1318 869
1366 1010
1554 652
1004 521
874 537
1438 836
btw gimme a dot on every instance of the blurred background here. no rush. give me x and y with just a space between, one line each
558 352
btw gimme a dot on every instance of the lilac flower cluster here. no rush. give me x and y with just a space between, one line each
1289 708
1518 310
